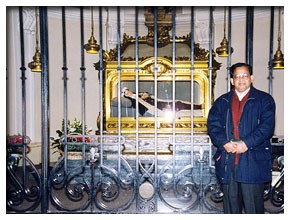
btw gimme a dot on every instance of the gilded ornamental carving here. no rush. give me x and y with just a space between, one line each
146 70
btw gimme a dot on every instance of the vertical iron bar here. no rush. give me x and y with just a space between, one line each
23 78
92 167
44 105
137 106
210 57
83 87
229 46
64 68
119 90
271 51
192 84
201 186
155 104
210 68
101 86
249 40
173 88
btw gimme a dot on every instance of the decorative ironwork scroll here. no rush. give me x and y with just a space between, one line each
23 182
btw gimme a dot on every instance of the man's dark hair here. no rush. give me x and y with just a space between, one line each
234 66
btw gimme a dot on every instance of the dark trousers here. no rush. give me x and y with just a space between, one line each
237 195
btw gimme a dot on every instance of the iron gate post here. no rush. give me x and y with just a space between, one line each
229 47
249 34
271 51
44 107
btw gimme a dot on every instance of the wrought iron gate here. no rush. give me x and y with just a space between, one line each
106 179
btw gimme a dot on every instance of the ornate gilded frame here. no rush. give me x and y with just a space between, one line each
145 74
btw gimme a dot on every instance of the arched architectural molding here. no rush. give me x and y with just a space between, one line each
29 20
127 15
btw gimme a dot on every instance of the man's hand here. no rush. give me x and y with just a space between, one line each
128 92
241 147
230 147
144 95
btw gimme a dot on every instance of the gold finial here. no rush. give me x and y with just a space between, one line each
92 46
222 51
278 61
35 65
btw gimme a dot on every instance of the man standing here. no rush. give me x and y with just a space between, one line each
240 124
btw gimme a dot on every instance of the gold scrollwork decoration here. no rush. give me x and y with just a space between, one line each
162 125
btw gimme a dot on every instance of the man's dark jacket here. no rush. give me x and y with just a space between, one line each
256 127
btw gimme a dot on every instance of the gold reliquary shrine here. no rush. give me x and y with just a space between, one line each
146 87
145 99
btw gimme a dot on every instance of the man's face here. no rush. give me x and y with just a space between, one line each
242 79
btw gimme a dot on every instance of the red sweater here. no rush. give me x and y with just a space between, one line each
237 109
